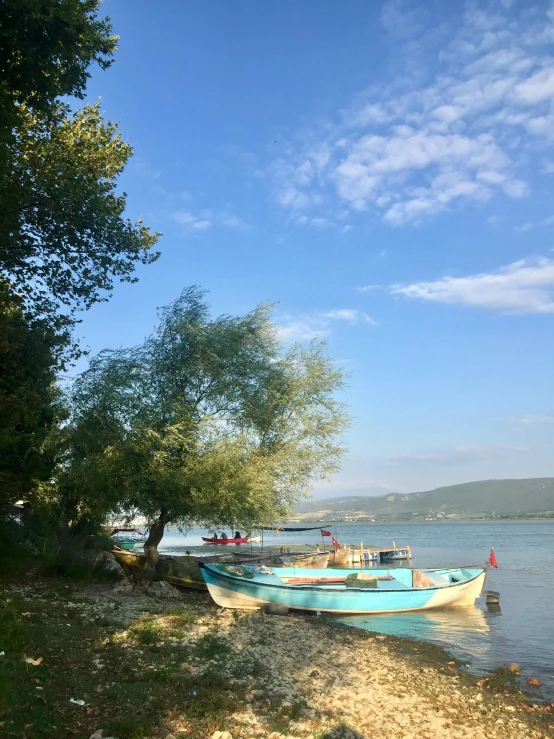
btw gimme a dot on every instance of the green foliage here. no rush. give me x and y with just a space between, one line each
146 632
64 238
30 407
212 647
183 617
47 48
71 238
210 420
129 727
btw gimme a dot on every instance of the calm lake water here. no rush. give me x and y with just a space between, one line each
521 631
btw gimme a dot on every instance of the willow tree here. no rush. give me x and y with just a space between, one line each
210 421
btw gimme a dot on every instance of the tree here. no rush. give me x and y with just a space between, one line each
210 421
63 235
72 238
29 400
46 49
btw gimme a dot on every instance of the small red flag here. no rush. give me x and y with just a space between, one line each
492 559
326 533
335 543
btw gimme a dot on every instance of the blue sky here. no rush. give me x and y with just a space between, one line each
382 170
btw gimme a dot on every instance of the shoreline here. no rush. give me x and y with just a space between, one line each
367 522
246 673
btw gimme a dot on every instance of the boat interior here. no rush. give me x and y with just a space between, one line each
339 579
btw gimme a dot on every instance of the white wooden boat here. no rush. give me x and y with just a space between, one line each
342 590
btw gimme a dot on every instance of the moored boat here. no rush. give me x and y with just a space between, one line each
127 538
242 540
185 572
342 590
291 559
177 570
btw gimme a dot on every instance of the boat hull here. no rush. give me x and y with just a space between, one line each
236 592
122 544
181 571
184 571
244 540
300 559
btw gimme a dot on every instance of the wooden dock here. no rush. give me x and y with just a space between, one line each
351 555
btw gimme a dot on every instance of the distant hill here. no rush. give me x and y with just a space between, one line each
471 499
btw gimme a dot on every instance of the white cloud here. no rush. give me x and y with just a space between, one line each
350 315
319 325
367 288
191 222
234 222
304 328
530 226
532 420
401 18
206 219
408 151
458 454
526 286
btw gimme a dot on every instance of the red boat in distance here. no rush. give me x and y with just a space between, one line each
243 540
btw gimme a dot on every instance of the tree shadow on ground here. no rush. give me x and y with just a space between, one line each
342 731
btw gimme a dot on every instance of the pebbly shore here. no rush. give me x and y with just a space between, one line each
283 677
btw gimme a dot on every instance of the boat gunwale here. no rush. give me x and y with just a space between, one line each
373 591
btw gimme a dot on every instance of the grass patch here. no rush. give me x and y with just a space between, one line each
279 721
129 727
211 646
146 632
182 618
133 683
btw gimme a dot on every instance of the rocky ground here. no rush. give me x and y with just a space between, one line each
161 663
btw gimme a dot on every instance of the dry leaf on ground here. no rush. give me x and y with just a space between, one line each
32 661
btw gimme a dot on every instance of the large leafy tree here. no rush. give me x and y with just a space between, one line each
46 49
210 420
29 400
72 237
63 234
64 237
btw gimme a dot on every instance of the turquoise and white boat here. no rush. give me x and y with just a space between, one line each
127 538
346 591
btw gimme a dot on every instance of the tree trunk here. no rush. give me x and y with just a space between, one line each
155 536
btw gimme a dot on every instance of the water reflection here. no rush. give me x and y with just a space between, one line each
464 630
438 625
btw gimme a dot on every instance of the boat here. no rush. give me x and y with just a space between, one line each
346 591
185 572
294 559
242 540
177 570
127 538
346 555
